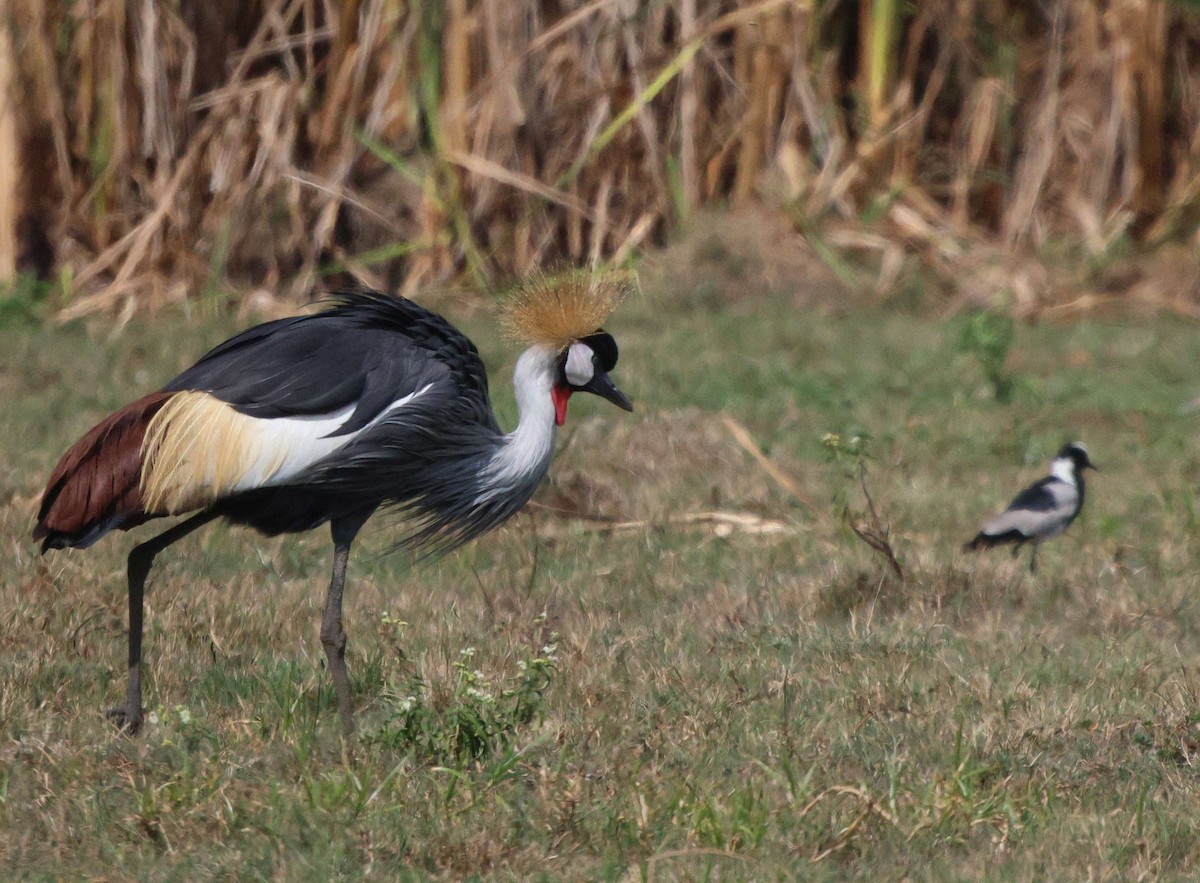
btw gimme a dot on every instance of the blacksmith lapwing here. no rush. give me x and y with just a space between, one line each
1044 509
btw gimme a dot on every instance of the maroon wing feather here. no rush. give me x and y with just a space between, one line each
96 485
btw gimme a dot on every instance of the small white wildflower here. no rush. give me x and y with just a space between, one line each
480 695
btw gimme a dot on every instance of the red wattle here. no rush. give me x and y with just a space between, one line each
561 395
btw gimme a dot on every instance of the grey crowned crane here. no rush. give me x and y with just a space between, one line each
1043 510
375 402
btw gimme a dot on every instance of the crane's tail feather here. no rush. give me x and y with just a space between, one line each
96 486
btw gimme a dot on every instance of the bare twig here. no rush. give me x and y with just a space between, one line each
742 436
721 523
875 531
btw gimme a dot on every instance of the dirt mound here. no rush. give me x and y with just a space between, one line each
725 257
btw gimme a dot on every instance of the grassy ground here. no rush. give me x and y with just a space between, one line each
665 700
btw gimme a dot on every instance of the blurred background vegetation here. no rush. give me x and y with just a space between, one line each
1003 151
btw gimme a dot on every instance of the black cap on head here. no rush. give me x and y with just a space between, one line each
605 348
1078 453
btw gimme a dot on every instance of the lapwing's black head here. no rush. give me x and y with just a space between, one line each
1077 454
584 366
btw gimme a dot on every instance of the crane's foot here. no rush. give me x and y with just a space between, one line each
126 718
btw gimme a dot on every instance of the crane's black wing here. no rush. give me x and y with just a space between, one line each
368 351
421 422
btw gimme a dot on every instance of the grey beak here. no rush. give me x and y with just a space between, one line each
602 385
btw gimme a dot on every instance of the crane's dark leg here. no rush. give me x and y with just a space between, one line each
129 715
333 636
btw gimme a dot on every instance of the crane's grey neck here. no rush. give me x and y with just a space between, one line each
524 455
1063 468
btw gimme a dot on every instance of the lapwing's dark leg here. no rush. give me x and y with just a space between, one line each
333 636
1033 559
129 715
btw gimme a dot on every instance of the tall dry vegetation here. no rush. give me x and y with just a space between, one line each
169 145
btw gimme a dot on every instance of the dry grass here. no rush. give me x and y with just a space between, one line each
721 701
170 150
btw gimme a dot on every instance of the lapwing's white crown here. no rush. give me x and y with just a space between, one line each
557 309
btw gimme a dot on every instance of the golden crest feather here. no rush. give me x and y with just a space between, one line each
563 307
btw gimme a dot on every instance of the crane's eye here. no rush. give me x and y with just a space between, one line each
604 349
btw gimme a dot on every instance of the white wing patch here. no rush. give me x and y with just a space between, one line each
198 449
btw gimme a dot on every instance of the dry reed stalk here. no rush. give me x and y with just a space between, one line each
596 250
768 70
905 139
878 23
500 109
637 235
987 99
189 144
1038 153
689 106
46 93
1145 24
486 168
456 75
10 164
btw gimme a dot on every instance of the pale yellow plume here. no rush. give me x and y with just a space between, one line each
198 448
558 309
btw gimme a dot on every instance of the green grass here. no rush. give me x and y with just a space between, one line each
662 702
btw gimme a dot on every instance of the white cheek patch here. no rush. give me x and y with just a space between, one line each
579 369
